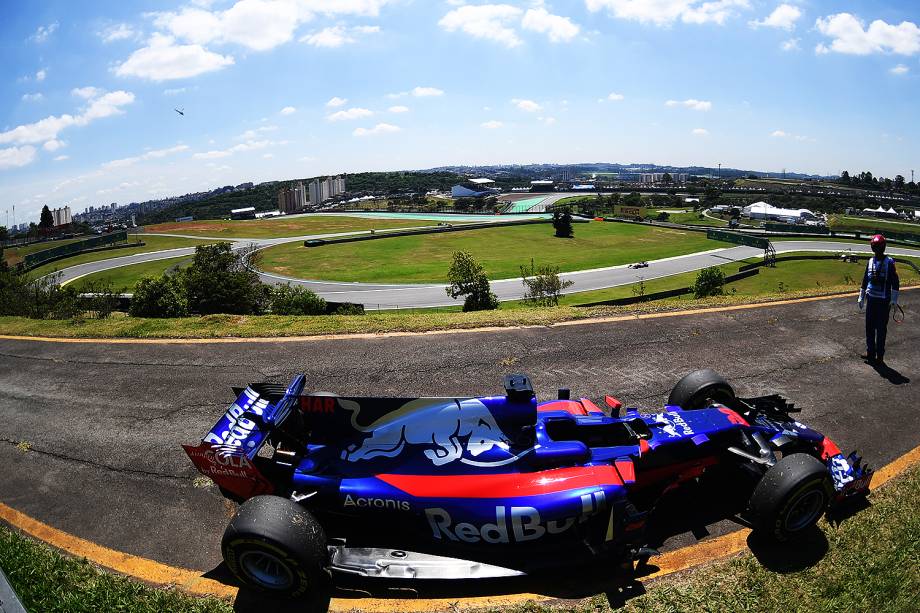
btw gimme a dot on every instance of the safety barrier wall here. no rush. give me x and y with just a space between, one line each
33 260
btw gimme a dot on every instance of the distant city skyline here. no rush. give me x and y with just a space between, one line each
119 102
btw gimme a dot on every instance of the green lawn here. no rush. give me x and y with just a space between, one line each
126 277
151 243
283 226
426 258
14 255
867 562
842 223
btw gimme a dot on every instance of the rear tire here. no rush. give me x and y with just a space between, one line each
791 497
274 545
700 389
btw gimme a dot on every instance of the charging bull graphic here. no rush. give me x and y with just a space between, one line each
453 427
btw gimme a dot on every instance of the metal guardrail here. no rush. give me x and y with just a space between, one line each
40 257
9 601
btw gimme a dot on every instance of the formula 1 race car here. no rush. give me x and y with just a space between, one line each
639 265
458 488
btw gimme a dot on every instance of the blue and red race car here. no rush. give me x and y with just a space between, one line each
453 488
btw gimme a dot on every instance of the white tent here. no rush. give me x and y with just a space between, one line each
762 210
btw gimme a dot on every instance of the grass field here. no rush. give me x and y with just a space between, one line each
151 243
126 277
501 251
865 224
282 226
868 562
14 255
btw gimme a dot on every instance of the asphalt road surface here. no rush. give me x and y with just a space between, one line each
90 434
388 296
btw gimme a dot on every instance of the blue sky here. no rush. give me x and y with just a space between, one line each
276 89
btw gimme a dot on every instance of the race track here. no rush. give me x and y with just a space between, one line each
90 432
390 296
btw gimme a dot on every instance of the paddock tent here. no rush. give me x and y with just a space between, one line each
762 210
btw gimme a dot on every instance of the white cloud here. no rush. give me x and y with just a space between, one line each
288 110
700 132
784 16
779 134
380 128
666 12
558 29
696 105
268 156
336 36
174 91
336 102
44 32
241 148
119 31
255 133
526 105
162 60
54 145
850 36
15 157
149 155
48 128
790 45
399 109
614 97
899 70
41 74
36 97
61 158
260 25
427 92
350 114
87 93
492 125
487 21
548 121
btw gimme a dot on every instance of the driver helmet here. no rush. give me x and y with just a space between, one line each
878 244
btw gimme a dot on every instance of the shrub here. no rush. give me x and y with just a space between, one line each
350 309
39 299
218 281
467 278
100 299
296 300
543 285
709 282
162 296
562 223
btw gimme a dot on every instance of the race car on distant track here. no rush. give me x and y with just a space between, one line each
639 265
459 488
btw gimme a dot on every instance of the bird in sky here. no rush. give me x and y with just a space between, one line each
180 111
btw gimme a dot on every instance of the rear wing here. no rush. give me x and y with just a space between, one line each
227 452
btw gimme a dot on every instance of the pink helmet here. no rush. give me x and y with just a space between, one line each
878 243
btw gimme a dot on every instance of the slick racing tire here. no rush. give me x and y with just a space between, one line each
274 545
791 497
700 389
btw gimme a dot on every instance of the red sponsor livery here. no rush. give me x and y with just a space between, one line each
324 405
733 417
230 469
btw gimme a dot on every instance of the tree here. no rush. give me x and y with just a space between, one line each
4 233
845 177
218 281
562 222
162 296
709 282
667 178
542 285
290 299
467 278
899 182
46 221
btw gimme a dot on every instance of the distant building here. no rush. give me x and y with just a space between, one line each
651 178
325 189
61 216
474 188
245 213
293 199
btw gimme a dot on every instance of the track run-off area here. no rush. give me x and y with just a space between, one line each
376 296
91 431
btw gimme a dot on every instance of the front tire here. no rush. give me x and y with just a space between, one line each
700 389
274 545
791 497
